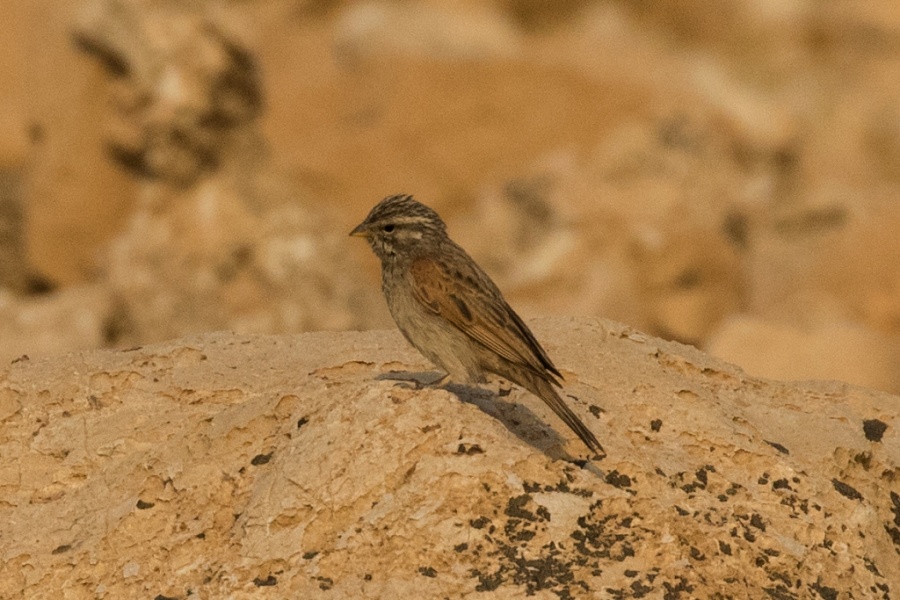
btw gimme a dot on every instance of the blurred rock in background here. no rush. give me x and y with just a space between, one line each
722 175
13 266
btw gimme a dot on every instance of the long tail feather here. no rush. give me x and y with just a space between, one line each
546 392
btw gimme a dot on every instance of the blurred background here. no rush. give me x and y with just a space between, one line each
722 174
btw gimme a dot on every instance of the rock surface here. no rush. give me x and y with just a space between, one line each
299 466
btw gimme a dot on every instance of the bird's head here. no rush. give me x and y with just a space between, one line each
399 225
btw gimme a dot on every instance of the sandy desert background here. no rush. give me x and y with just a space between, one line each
723 175
187 410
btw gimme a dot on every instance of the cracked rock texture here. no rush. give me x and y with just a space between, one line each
312 466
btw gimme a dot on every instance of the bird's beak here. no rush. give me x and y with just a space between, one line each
361 231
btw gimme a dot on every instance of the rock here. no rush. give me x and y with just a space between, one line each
690 280
13 262
471 32
227 465
836 350
637 230
67 320
73 199
239 254
181 87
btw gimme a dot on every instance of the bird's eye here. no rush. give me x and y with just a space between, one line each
388 228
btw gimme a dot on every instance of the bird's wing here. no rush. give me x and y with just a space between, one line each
490 321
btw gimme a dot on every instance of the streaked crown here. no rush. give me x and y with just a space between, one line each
403 209
400 226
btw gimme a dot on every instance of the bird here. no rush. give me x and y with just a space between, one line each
450 310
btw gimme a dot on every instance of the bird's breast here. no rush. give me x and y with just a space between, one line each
432 335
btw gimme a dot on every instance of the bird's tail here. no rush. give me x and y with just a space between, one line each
546 392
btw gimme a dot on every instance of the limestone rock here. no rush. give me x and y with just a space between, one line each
234 254
13 263
74 318
181 86
837 350
295 466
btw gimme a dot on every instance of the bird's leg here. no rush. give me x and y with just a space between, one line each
419 381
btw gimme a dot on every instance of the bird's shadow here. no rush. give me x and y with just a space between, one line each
520 420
